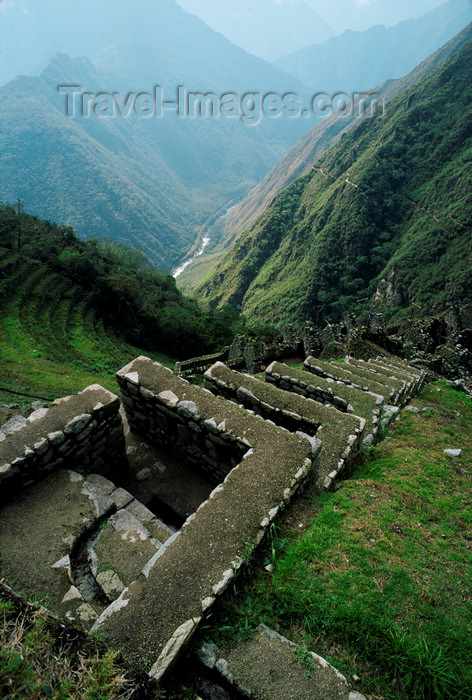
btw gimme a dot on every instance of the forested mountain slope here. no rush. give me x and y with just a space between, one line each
144 179
74 312
301 157
385 215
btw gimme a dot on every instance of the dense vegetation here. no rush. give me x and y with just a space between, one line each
385 218
149 181
74 312
377 576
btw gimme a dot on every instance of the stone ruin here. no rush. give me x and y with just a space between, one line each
442 345
78 530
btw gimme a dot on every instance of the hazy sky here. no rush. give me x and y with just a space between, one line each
31 31
340 14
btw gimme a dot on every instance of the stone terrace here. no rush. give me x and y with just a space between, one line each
158 614
331 393
389 382
101 557
341 433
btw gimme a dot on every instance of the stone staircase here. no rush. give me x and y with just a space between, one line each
341 432
331 393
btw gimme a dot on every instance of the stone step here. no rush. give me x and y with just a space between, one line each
40 529
340 372
87 539
401 364
123 548
341 433
368 375
330 392
269 665
417 375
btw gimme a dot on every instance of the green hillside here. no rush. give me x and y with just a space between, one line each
376 576
72 313
383 220
146 179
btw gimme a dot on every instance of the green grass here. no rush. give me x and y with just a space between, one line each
380 582
52 343
34 666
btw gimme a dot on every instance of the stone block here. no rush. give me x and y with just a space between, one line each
104 484
188 409
56 438
41 447
140 511
77 424
87 432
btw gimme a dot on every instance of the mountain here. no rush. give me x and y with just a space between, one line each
264 27
382 221
146 182
315 142
299 159
356 61
362 14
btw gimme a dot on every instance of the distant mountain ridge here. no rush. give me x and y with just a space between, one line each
150 183
357 61
358 15
265 28
383 219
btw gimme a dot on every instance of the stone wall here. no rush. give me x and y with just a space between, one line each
330 392
177 425
251 393
82 432
158 614
305 388
198 365
341 433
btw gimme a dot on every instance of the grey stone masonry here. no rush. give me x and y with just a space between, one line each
416 376
82 432
155 617
177 425
382 372
269 665
331 393
77 540
341 433
340 372
198 365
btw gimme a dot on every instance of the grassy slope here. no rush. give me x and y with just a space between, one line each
51 342
392 200
380 580
39 660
